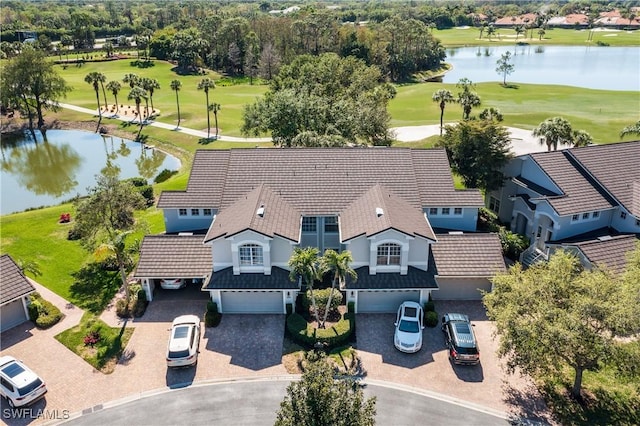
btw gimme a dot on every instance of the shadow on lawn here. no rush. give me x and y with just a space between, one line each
94 287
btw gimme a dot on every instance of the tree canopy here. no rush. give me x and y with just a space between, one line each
323 101
477 150
320 400
556 315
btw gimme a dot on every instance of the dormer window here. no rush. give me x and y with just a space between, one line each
250 255
331 224
309 224
388 254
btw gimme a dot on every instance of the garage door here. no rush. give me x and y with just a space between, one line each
460 289
11 315
252 302
385 301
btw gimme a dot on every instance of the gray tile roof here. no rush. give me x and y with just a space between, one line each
414 279
174 256
278 218
13 283
468 255
617 167
609 252
580 193
378 210
320 181
225 280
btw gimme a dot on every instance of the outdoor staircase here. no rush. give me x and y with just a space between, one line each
531 256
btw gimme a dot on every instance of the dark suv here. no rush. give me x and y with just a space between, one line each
460 339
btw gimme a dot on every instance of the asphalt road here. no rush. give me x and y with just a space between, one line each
256 402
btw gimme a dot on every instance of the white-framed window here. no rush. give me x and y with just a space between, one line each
595 215
445 210
331 224
309 224
206 212
433 211
575 217
494 204
623 215
457 211
585 216
195 212
389 254
250 254
182 212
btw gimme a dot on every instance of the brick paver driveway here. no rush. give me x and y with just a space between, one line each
486 384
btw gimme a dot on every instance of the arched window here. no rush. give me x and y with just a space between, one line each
250 254
389 254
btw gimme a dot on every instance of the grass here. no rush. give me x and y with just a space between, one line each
104 355
557 36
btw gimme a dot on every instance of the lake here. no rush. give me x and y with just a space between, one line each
49 170
592 67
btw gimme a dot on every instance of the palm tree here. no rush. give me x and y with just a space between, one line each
206 84
95 78
581 138
553 131
491 30
137 94
116 247
175 86
491 114
443 96
115 86
519 29
131 79
541 33
340 265
633 129
150 84
467 99
214 107
304 265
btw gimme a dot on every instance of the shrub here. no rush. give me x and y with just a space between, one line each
429 306
289 308
139 303
122 309
306 334
431 319
212 317
147 192
34 310
322 297
73 234
44 314
164 175
137 181
512 244
351 307
92 338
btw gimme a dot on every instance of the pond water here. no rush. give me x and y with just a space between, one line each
592 67
62 164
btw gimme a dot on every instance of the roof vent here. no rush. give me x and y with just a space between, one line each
260 211
379 211
605 238
185 234
456 233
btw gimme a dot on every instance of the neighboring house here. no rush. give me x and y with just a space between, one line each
571 197
249 208
15 289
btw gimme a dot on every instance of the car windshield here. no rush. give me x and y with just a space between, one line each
179 354
409 326
467 351
30 387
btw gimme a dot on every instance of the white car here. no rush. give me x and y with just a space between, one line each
409 326
184 341
172 283
18 384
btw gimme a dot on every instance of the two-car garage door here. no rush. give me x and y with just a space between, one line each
385 301
12 314
252 302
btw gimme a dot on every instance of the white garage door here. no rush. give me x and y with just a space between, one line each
385 301
11 315
252 302
460 289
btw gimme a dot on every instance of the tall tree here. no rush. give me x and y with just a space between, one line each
106 217
115 86
581 138
137 94
31 85
478 150
467 98
556 315
491 114
339 264
150 85
131 79
215 108
320 399
175 86
504 66
632 129
553 131
269 61
443 97
304 265
95 78
206 84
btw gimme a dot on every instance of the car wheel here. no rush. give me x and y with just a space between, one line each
10 402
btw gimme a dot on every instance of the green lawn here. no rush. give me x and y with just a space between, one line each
556 36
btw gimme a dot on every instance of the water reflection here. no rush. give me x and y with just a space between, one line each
44 169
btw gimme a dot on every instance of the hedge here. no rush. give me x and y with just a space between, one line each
42 312
212 316
306 334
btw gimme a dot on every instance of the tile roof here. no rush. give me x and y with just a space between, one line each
278 216
224 279
580 193
415 278
13 283
616 167
468 255
174 256
320 181
378 210
610 252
